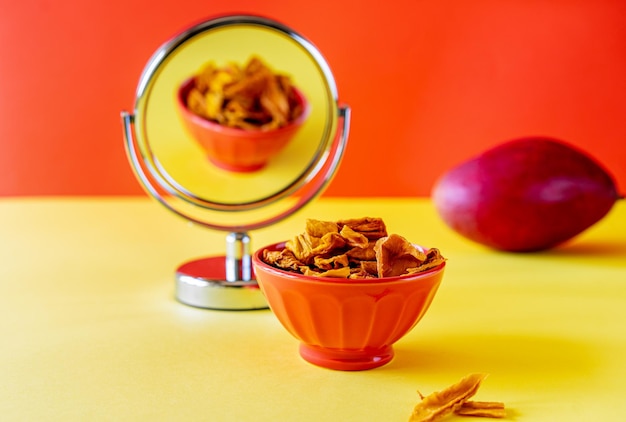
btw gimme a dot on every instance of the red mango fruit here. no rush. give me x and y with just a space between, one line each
528 194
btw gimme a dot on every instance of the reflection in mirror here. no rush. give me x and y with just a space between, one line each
181 157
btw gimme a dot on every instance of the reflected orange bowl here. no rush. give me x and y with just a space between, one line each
346 324
235 149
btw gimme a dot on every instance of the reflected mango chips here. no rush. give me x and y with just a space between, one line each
251 96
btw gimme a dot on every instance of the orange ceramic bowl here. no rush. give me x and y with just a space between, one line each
346 324
237 149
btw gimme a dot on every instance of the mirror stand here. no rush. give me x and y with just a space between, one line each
221 282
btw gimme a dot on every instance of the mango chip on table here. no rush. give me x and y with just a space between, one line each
352 249
455 399
246 97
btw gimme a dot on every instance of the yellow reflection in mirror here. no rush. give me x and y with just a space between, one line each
182 158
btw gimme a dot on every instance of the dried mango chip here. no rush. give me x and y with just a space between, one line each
333 262
354 238
433 259
306 247
318 228
485 409
395 255
366 269
455 399
250 97
283 259
366 253
354 249
372 228
335 272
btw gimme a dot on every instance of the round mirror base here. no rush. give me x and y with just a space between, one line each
202 283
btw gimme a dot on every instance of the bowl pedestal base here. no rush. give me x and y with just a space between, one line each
346 360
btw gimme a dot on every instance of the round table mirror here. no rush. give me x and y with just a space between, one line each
236 126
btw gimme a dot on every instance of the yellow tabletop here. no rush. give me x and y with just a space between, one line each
91 331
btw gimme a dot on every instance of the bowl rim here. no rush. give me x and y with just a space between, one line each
211 125
337 281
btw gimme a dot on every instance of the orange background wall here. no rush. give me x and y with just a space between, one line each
430 83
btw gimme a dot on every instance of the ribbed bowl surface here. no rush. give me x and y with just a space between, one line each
346 316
